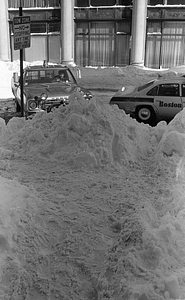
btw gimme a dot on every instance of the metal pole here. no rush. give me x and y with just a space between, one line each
21 70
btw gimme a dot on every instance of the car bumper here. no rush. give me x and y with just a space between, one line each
40 105
127 106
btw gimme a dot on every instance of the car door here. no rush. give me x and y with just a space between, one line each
167 100
183 95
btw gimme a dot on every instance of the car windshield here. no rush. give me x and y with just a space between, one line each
146 85
45 76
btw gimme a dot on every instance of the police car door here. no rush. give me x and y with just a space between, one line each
183 95
168 100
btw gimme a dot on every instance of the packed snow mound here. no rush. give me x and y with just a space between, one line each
169 143
82 134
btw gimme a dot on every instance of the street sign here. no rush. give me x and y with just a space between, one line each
21 29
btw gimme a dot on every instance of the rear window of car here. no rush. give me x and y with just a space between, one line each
154 91
146 85
169 89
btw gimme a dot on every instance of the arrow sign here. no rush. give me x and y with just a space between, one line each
21 29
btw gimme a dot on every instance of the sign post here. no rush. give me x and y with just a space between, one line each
21 29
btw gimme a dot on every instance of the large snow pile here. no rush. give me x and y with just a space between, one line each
82 134
92 206
146 257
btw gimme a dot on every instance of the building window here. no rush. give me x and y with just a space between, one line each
102 43
34 3
103 2
54 27
82 3
122 44
125 2
175 2
166 2
38 27
165 44
87 3
155 2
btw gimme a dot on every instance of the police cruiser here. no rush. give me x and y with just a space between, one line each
159 99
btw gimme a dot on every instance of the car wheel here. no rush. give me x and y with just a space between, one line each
146 114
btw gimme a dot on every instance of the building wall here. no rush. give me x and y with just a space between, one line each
165 35
4 33
45 29
105 33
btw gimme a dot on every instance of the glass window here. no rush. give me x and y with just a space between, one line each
38 27
168 2
102 44
173 43
165 44
124 28
82 3
122 47
153 92
82 44
175 2
124 2
169 90
103 2
155 2
54 27
32 76
33 3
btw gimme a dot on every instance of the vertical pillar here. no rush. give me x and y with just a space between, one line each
4 32
67 31
139 16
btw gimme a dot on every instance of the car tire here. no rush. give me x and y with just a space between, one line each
145 114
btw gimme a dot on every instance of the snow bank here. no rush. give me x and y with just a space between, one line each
86 135
146 259
82 134
170 146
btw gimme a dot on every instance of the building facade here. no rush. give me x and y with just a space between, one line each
99 32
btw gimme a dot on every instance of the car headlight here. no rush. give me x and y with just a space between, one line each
43 96
65 101
32 104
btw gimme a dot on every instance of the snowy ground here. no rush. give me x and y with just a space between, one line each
92 203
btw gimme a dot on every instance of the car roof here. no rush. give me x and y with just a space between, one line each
171 80
49 66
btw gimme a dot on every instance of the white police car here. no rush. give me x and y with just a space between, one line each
159 99
46 86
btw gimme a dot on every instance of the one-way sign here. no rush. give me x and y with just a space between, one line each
21 29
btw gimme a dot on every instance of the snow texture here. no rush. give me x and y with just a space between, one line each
92 202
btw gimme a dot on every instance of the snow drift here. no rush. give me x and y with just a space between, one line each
115 229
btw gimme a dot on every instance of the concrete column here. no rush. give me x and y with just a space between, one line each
67 31
139 16
4 32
